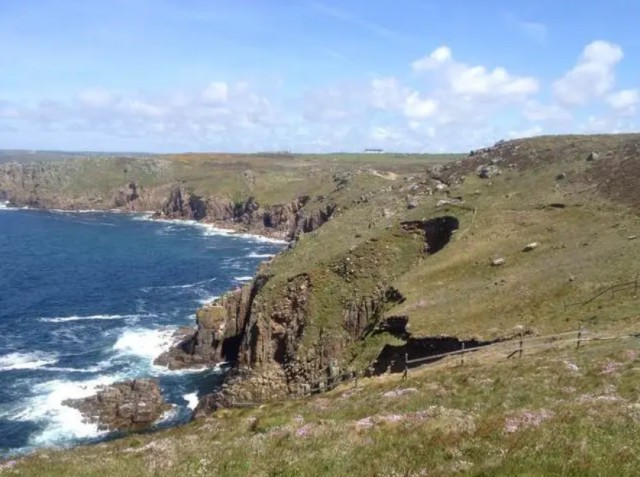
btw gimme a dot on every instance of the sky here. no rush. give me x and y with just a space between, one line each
313 75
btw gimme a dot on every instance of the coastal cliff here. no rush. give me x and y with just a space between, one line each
64 186
388 261
371 244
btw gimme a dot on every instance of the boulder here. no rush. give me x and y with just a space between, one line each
496 262
441 186
530 246
124 406
593 156
486 172
412 203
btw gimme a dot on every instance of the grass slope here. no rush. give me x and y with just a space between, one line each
559 412
554 413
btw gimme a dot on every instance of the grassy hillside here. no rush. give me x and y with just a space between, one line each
557 412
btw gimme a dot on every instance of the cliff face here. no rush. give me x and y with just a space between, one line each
265 335
284 221
67 185
64 185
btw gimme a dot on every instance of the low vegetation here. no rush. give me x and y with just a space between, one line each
556 412
553 412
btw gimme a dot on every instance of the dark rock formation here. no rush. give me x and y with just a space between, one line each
284 221
266 340
391 358
124 406
124 197
362 315
220 330
437 232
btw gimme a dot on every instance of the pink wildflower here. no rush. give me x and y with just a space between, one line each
526 419
399 392
304 431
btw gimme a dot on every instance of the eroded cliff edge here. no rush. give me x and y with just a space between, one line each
287 331
152 185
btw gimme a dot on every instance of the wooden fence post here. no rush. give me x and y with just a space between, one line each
579 336
406 366
462 355
520 350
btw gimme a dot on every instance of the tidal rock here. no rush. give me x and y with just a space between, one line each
123 406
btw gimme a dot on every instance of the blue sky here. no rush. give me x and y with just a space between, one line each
312 75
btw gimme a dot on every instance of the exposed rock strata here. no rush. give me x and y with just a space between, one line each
284 221
52 186
266 339
124 406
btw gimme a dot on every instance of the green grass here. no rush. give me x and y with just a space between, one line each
557 412
569 422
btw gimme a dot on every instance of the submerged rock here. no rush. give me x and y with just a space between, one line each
123 406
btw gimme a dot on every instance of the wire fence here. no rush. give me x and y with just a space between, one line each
507 349
613 289
517 347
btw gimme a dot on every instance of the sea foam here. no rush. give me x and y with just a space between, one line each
62 424
210 229
64 319
260 255
144 343
17 361
192 400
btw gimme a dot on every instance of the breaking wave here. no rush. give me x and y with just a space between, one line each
35 360
64 319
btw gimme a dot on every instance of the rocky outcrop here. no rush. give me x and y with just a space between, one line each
285 221
274 356
124 406
220 330
437 232
55 184
364 313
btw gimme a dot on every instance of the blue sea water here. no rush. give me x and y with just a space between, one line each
92 298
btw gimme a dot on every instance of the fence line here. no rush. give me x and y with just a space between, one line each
516 346
613 289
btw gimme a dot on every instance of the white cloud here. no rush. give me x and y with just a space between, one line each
479 80
216 93
536 111
436 59
143 108
534 30
379 133
387 93
593 75
96 98
528 132
418 108
624 101
446 105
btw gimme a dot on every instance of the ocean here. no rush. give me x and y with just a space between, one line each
90 298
